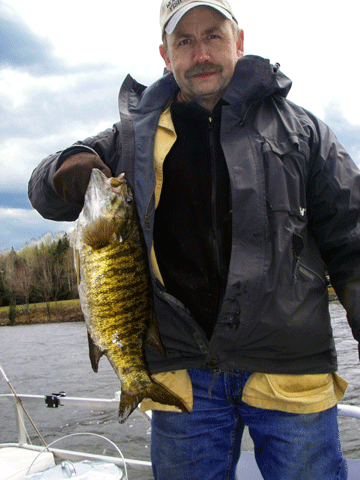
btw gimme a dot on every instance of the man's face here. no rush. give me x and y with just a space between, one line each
202 53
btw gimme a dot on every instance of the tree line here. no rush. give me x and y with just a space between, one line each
42 272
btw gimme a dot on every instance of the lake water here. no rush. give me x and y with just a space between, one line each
45 359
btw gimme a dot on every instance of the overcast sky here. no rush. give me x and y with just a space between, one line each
62 64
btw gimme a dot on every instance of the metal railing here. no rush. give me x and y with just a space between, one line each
57 400
60 399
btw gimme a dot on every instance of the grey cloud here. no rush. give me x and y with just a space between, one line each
86 100
89 97
347 133
14 200
22 48
22 226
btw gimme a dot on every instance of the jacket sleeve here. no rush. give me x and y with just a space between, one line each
41 192
334 202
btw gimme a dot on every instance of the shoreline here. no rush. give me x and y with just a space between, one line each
38 315
64 313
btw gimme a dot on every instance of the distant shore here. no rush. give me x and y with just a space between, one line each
58 314
64 312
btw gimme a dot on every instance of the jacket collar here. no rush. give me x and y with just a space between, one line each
254 79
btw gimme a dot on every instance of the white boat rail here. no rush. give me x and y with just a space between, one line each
348 410
56 400
61 400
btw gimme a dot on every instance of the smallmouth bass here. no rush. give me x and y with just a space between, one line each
115 290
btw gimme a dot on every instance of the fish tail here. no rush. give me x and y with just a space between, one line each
157 393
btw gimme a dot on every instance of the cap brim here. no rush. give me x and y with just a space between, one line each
175 19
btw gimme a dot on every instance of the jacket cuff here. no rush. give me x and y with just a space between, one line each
73 150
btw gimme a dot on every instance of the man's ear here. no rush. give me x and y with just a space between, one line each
166 58
240 44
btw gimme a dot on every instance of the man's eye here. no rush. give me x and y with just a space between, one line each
186 41
212 36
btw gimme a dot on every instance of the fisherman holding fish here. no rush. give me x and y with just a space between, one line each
240 200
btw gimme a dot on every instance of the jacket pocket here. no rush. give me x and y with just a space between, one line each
294 393
307 274
285 166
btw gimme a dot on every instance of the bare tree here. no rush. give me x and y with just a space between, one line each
44 280
24 284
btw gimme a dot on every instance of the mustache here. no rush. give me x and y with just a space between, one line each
206 68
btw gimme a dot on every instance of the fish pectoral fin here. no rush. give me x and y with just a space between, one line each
153 336
94 353
98 233
157 393
77 266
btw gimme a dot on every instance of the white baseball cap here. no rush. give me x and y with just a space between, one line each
172 11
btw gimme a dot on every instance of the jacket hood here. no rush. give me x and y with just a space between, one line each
254 79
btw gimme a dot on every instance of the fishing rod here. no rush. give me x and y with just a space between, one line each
17 398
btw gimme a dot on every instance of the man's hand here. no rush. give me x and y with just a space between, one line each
71 179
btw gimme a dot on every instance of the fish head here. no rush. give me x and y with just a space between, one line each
108 212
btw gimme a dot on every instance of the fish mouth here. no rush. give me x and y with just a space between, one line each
103 186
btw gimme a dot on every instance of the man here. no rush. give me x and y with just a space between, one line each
243 198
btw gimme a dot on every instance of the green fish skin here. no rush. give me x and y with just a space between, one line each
115 290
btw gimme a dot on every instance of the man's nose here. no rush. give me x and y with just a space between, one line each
200 52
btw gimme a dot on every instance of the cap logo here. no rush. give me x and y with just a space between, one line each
173 4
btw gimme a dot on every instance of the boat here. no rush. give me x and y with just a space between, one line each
20 460
23 460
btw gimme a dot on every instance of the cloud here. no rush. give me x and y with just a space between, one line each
43 115
14 200
347 133
35 107
47 102
16 223
21 47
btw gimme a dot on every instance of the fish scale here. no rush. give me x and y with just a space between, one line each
115 290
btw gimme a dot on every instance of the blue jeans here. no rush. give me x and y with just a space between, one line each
205 445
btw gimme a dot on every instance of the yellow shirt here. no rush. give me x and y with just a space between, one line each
287 393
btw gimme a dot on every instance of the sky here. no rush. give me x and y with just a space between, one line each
62 65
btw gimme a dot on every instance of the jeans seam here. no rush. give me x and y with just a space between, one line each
340 469
231 450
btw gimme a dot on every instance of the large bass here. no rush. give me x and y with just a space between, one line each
115 290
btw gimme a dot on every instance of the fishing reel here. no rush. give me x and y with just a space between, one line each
53 400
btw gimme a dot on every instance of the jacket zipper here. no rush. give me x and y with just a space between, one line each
215 246
150 208
301 268
309 273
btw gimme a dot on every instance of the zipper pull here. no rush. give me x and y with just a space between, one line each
296 270
147 222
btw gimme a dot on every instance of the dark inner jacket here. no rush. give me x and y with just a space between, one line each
192 230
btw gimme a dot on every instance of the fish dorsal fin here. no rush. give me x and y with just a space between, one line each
98 233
